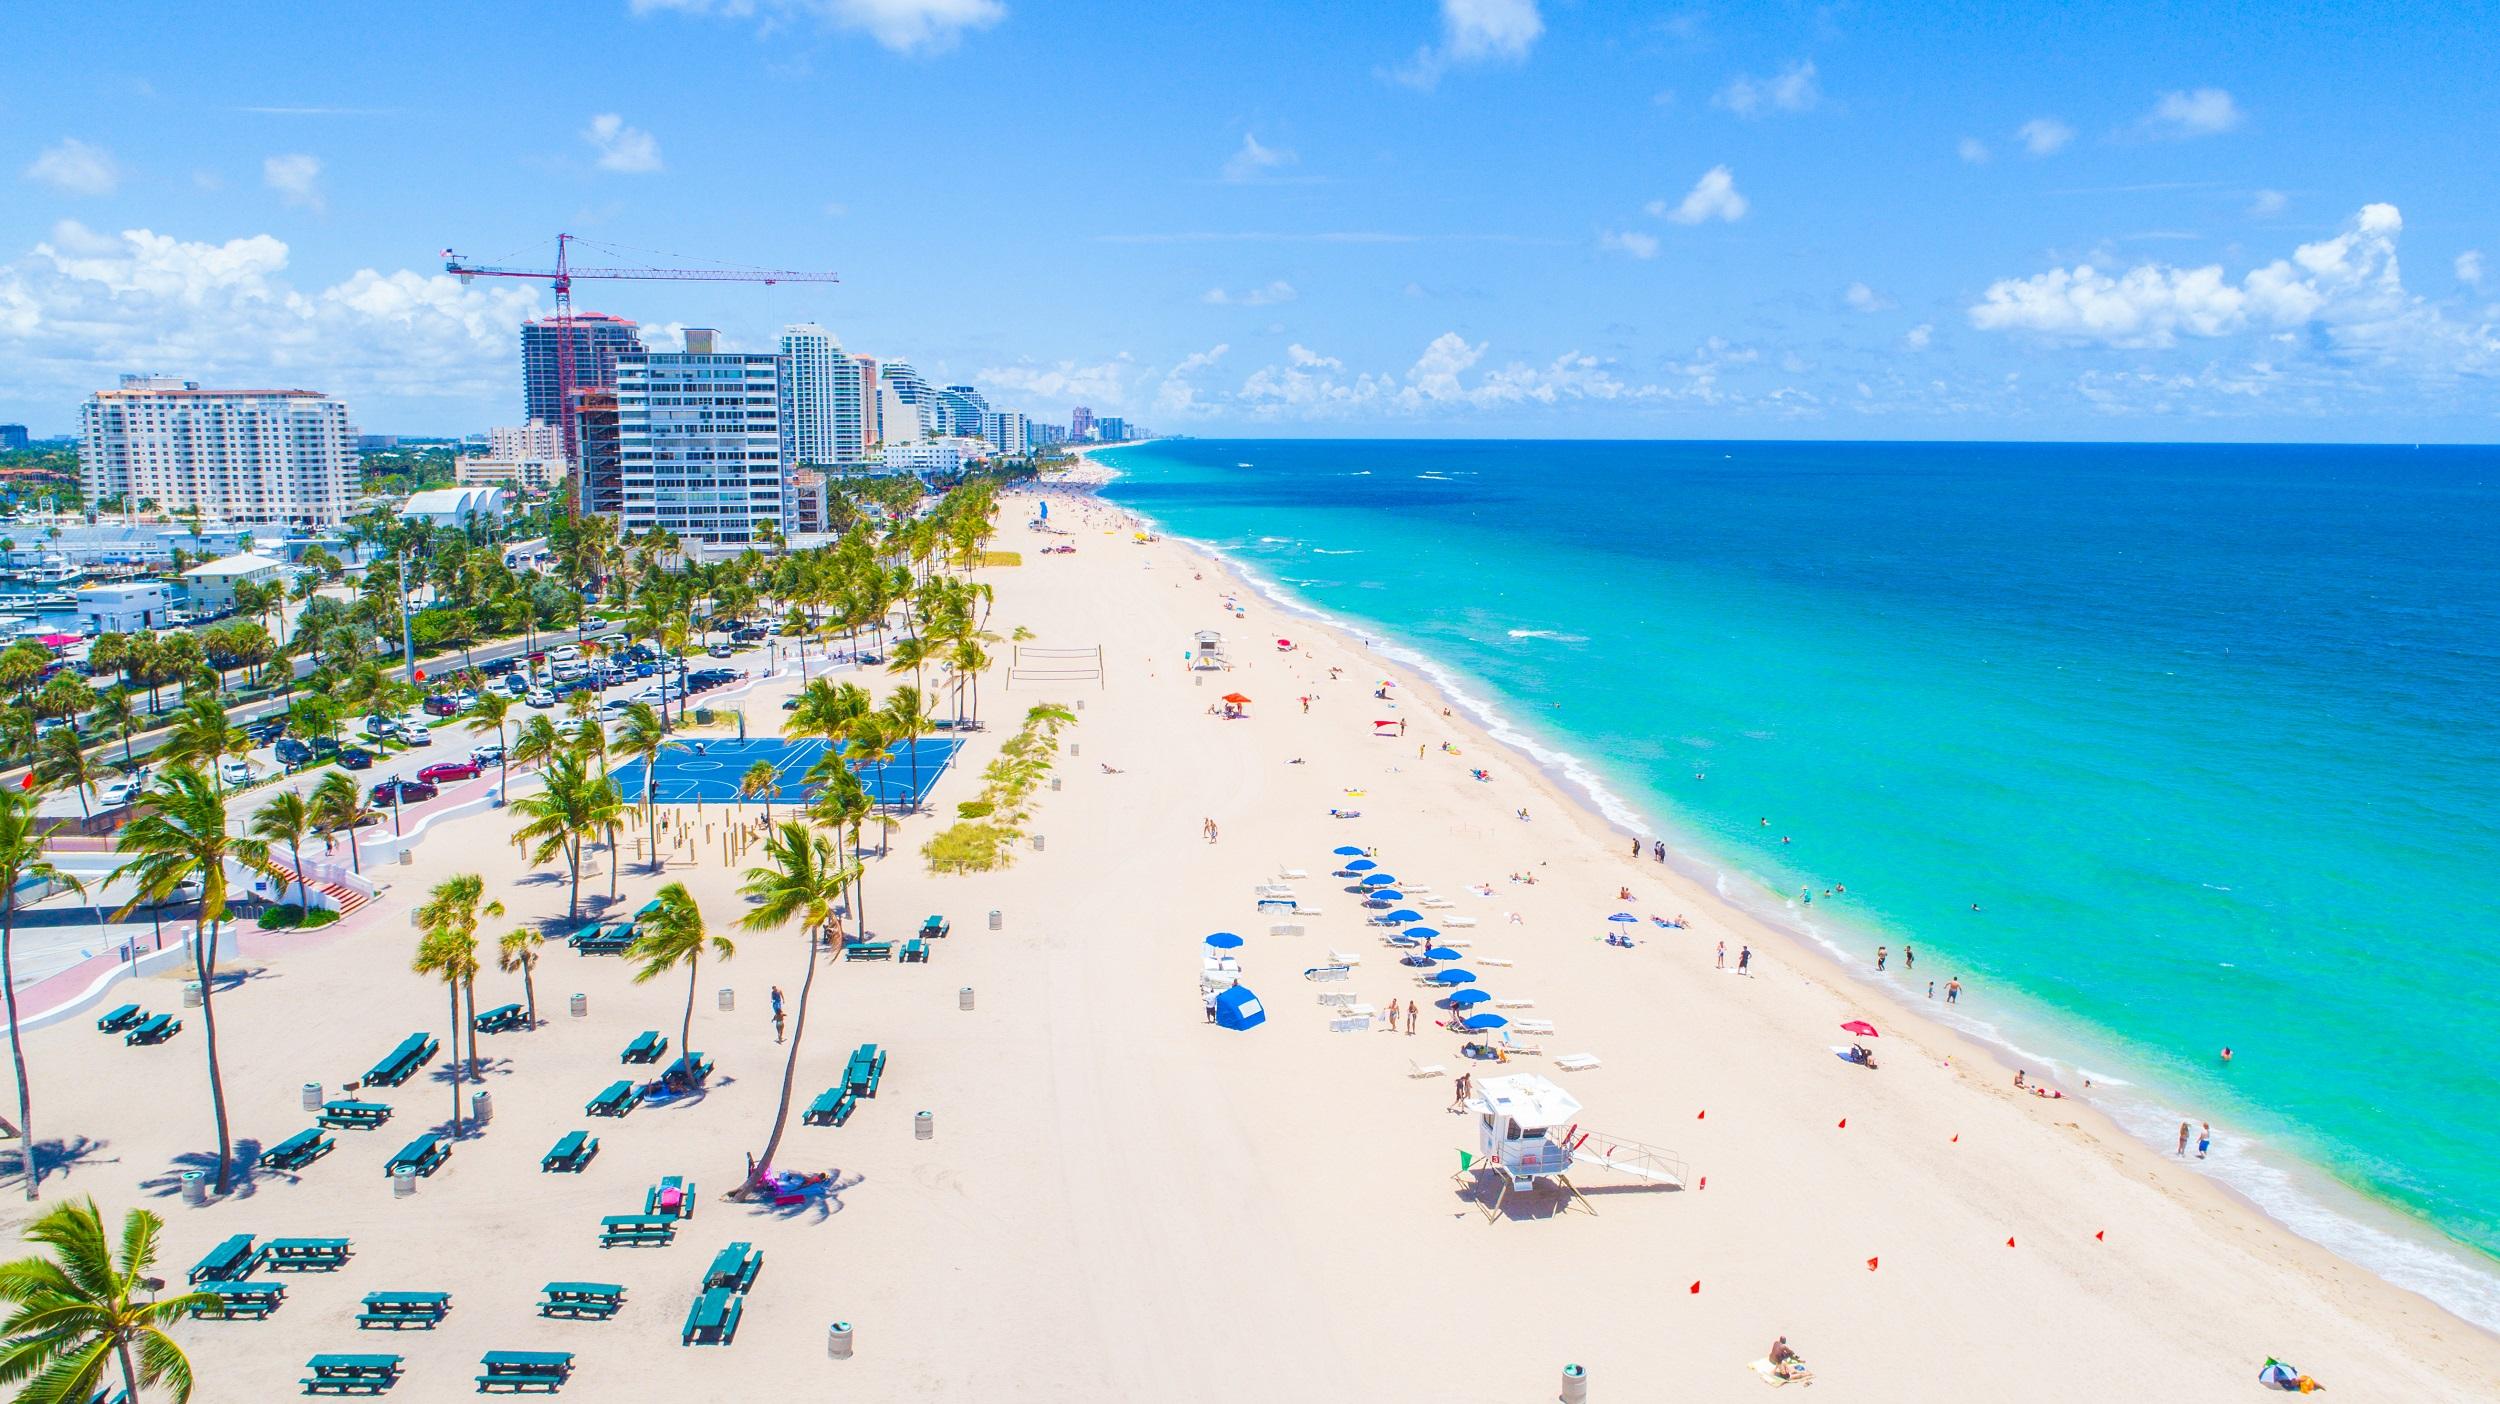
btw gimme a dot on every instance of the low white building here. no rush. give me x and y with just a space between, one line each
212 583
457 507
135 608
947 455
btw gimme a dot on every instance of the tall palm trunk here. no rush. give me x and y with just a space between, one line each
17 1048
573 854
790 1062
204 960
130 1369
468 987
685 1027
529 987
452 988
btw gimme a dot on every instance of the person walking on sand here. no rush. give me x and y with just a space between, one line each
1636 845
2183 1135
1744 960
1410 1018
1458 1091
1879 960
1909 958
1723 955
2204 1138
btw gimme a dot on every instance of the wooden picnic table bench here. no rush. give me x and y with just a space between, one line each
654 1199
518 1370
865 1070
713 1319
228 1261
734 1267
351 1374
307 1254
934 927
359 1115
832 1107
401 1063
637 1229
646 1048
245 1301
570 1154
399 1310
501 1019
692 1066
616 1099
595 1300
120 1019
867 950
156 1030
297 1151
915 952
422 1156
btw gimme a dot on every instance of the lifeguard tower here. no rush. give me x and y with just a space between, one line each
1528 1130
1207 652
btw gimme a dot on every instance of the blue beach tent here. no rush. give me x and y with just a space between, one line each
1237 1008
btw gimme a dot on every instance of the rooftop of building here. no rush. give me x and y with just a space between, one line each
248 563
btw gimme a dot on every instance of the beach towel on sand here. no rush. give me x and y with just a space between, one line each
1771 1376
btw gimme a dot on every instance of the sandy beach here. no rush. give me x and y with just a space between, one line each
1121 1202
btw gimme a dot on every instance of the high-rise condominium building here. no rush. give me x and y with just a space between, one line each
703 448
12 437
828 412
1005 430
598 340
959 410
1080 423
599 483
283 457
1111 429
871 404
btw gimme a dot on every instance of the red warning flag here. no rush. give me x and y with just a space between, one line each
1844 1123
1702 1114
1870 1264
1695 1289
26 781
2009 1243
1957 1138
2100 1236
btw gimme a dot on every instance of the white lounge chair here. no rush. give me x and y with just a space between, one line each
1458 921
1348 1025
1533 1026
1514 1004
1301 910
1438 902
1493 960
1291 874
1345 958
1415 1069
1578 1062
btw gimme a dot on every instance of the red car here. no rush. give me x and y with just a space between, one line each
442 771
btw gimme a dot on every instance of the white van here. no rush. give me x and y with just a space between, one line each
539 697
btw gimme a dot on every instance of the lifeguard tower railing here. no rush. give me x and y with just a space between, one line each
1625 1156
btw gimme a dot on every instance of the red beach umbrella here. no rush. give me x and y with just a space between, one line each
1861 1028
1236 699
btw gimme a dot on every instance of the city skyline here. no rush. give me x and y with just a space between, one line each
1464 218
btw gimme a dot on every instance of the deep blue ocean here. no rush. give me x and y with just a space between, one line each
2210 735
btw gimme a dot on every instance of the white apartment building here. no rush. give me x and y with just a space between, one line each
931 455
255 456
703 450
1005 430
536 439
517 456
825 391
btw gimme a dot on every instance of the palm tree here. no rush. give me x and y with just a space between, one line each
492 711
61 760
183 839
537 741
116 715
453 958
761 779
641 736
842 801
452 909
904 717
566 813
802 881
21 859
519 951
200 735
674 936
75 1314
286 819
969 660
338 806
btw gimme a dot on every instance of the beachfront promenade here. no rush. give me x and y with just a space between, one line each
1118 1201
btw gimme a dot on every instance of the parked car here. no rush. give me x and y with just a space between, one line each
293 752
497 667
539 697
613 639
415 732
571 668
380 728
266 730
235 770
325 746
646 670
441 771
440 705
356 758
403 792
489 754
564 654
118 791
720 650
750 634
614 708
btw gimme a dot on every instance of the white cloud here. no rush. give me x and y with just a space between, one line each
2044 136
1268 296
1101 383
76 168
1253 159
2470 268
1200 360
2266 204
2344 292
905 26
1792 90
1918 337
83 306
2204 112
1862 298
1473 32
620 147
296 178
1714 196
1973 150
1629 241
1302 355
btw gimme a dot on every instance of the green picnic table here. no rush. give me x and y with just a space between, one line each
570 1153
120 1019
692 1066
915 952
616 1099
865 1070
934 928
648 910
518 1370
297 1151
637 1229
226 1262
659 1199
359 1115
155 1030
833 1107
596 1301
501 1019
422 1156
307 1254
734 1267
399 1310
351 1374
243 1301
713 1319
867 950
646 1048
401 1063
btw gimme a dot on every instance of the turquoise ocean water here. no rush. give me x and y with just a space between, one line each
2211 735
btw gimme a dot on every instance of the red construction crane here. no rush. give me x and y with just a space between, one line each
562 276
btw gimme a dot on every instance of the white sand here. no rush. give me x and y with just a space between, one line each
1121 1203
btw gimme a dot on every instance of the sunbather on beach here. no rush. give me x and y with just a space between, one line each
1786 1363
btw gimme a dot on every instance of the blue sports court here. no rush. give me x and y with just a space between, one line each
709 771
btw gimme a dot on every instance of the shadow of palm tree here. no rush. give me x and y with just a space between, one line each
55 1156
246 1167
815 1203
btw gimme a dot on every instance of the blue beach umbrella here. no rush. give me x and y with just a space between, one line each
1421 933
1623 916
1381 896
1377 880
1402 914
1223 940
1453 977
1360 865
1348 851
1465 998
1483 1021
1442 953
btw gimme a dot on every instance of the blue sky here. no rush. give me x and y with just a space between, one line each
1411 217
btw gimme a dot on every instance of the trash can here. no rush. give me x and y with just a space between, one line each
195 1187
921 1127
1075 749
1575 1385
481 1106
702 716
404 858
994 918
1080 704
728 999
1037 843
838 1340
403 1184
1054 782
191 994
312 1096
963 1000
581 1006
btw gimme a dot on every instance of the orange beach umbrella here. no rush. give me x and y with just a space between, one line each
1236 699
